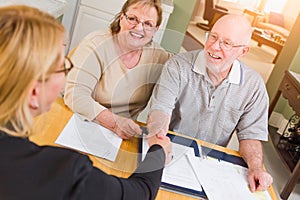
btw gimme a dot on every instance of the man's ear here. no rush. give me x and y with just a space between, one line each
34 95
244 52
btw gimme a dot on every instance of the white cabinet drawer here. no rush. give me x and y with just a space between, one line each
109 6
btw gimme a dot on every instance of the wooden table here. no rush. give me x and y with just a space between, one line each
262 39
48 126
289 88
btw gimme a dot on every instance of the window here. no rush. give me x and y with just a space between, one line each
241 3
274 5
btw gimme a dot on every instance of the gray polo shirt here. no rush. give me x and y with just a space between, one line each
211 113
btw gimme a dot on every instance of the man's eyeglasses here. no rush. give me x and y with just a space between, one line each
68 65
224 44
148 25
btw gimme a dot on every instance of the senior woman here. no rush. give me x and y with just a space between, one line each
116 70
32 70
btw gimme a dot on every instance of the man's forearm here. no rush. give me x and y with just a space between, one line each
158 121
258 178
251 151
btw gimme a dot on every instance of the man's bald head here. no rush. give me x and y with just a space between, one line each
236 25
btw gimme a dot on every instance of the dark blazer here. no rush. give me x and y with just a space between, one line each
29 171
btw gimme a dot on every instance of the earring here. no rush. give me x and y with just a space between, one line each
35 105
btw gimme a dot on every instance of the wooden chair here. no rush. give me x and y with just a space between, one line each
212 13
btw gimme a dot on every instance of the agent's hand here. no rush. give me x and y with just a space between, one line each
259 180
163 141
126 128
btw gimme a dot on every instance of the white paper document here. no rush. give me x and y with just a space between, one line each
222 180
90 138
178 172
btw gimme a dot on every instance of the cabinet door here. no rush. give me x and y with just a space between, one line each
110 6
89 20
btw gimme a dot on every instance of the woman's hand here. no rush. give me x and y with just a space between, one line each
164 141
125 128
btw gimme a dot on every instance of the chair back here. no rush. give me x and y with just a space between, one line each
209 10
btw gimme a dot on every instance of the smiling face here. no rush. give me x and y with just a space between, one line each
229 40
138 35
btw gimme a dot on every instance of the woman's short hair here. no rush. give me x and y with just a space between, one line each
29 49
115 25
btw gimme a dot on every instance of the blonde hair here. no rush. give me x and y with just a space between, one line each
29 50
115 25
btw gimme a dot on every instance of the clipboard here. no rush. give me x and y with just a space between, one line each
192 143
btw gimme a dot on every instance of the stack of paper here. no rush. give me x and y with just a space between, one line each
223 180
179 173
219 179
90 138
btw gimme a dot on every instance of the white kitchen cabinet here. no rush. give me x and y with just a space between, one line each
53 7
95 15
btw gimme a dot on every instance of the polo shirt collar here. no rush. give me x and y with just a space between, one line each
235 74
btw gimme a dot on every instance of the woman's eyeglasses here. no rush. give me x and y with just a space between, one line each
148 25
68 65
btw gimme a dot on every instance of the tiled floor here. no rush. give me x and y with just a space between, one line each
260 59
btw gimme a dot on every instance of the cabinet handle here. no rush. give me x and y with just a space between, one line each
287 86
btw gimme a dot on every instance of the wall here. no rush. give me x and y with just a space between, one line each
177 25
290 12
289 59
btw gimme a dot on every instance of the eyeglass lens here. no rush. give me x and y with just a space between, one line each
225 44
68 65
132 19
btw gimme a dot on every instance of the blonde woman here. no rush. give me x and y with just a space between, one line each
33 70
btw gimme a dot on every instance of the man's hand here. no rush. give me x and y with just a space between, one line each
259 180
251 151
